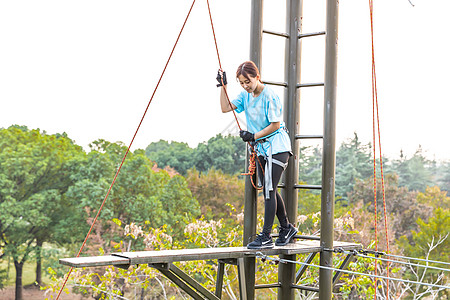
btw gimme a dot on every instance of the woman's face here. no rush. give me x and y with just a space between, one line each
249 84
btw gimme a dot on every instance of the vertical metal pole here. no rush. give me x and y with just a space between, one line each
250 193
329 148
286 272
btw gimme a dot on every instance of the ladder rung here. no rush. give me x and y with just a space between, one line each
305 287
276 33
310 84
304 137
276 83
307 187
302 35
267 286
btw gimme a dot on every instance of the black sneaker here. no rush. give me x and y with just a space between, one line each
286 235
262 241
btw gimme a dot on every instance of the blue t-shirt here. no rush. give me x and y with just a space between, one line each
260 112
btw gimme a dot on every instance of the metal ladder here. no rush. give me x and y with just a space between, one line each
294 36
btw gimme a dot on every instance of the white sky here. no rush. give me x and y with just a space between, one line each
89 67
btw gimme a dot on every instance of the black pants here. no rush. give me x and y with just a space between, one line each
275 204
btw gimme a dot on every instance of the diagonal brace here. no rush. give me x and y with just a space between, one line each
184 281
303 268
348 259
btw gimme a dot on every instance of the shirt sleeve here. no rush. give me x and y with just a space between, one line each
239 102
274 109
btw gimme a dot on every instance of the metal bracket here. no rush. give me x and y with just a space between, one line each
239 262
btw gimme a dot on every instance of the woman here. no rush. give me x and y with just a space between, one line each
263 111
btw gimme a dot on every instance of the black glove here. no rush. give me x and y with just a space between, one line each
247 136
221 78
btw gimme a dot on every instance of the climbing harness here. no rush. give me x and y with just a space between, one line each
252 166
267 154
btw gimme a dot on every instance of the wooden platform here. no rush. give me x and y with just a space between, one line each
124 259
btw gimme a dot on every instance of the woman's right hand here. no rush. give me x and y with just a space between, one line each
221 78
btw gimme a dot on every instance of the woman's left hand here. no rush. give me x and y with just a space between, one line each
247 136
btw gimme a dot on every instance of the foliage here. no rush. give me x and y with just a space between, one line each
34 174
434 197
215 189
416 172
310 165
176 155
402 207
353 161
357 287
308 202
141 192
162 208
144 280
221 153
431 241
443 176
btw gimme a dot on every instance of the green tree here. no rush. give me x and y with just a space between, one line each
176 155
222 153
140 192
443 172
34 174
434 197
310 168
214 190
430 241
353 161
402 206
308 202
416 173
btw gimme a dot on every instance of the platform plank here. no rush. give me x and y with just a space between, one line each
169 256
94 261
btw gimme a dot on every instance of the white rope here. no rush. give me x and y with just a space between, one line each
394 261
392 255
418 259
281 260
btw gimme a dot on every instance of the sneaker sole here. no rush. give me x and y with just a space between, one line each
261 247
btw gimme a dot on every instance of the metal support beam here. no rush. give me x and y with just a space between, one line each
286 272
219 278
329 151
243 280
292 103
182 280
250 207
286 278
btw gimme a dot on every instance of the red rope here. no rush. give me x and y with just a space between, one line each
252 169
128 150
220 64
376 120
251 165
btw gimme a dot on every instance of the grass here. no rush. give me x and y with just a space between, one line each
28 275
